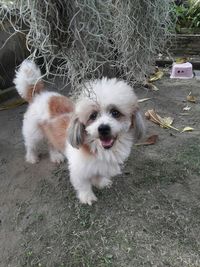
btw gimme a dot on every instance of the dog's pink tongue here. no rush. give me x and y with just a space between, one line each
106 143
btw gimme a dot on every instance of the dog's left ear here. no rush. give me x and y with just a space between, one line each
138 124
76 133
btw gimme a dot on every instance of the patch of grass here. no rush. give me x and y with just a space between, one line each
135 223
29 258
189 157
175 165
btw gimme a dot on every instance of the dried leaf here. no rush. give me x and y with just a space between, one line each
186 108
152 116
151 86
165 122
156 76
151 140
13 104
185 114
181 60
187 129
191 98
143 100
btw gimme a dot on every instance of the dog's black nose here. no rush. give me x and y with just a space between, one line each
104 129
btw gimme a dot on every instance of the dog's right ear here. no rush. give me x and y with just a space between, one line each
76 133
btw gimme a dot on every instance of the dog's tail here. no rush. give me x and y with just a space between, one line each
28 80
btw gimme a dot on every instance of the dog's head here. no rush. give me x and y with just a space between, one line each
106 115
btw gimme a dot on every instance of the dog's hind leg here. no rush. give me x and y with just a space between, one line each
32 136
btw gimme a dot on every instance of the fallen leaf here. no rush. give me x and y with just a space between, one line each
187 129
151 140
151 115
186 108
143 100
165 122
184 114
151 86
181 60
13 104
156 76
191 98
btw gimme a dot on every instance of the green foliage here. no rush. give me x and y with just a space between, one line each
194 15
186 16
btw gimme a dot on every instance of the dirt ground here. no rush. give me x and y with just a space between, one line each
150 216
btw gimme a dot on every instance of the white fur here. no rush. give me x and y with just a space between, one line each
28 74
85 169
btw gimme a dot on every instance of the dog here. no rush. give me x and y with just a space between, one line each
95 132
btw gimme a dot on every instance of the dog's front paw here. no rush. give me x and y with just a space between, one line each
87 197
57 157
32 158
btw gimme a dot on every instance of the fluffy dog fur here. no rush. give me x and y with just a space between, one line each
95 133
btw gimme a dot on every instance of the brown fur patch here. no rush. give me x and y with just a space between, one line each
133 121
59 105
133 116
86 150
56 131
33 90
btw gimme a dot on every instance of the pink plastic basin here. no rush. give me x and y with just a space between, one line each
182 71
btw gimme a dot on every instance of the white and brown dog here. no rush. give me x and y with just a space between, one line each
95 133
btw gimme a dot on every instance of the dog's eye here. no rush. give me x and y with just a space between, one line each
93 116
115 113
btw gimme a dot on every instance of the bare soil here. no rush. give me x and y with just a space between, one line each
150 216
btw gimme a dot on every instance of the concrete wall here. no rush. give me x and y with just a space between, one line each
185 44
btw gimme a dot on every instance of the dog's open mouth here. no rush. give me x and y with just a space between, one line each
107 142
